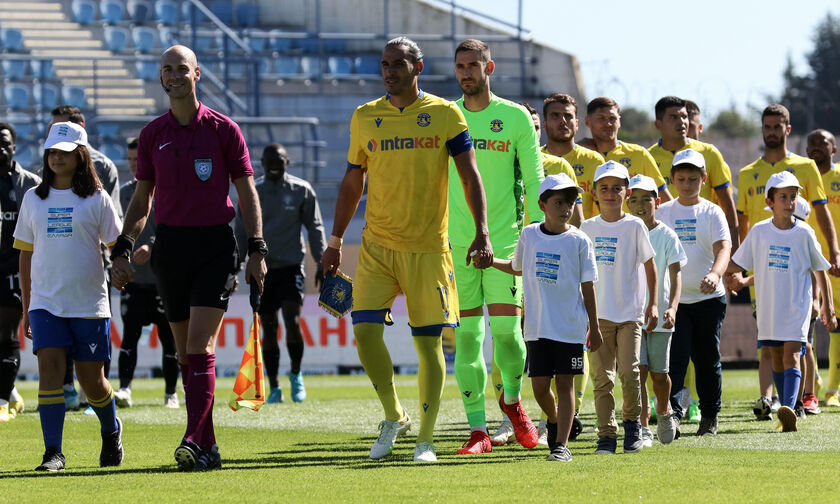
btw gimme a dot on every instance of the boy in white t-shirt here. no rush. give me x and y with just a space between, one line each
656 344
783 252
621 246
557 264
704 234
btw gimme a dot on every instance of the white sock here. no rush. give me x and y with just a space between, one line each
69 387
482 428
16 395
4 402
512 400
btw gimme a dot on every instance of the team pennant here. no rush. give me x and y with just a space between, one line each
249 388
336 294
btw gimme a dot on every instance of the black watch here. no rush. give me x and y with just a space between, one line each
257 246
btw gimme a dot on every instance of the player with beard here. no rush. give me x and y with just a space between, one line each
695 125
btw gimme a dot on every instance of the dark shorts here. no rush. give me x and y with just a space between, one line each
772 343
282 284
86 339
549 358
194 266
775 343
10 291
140 304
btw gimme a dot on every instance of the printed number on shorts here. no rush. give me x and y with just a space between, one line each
577 362
14 282
299 282
444 297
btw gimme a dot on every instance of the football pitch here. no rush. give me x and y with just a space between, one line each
317 451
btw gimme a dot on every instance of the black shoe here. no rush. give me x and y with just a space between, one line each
577 428
560 453
112 449
551 435
708 426
186 455
799 409
677 432
208 460
53 461
633 436
606 446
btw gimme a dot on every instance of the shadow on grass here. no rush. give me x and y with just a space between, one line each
88 472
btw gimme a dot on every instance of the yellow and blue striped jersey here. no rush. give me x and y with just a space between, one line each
718 175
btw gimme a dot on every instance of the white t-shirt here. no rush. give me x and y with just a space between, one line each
553 267
668 250
620 247
699 227
68 279
783 261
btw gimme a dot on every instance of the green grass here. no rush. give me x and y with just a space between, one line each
317 452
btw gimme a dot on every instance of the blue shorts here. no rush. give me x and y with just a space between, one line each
774 343
87 338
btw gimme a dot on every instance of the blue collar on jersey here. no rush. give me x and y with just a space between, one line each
787 155
419 95
687 142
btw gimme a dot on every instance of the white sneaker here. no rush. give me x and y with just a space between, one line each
647 437
389 431
425 452
542 431
503 433
665 428
171 401
775 404
123 398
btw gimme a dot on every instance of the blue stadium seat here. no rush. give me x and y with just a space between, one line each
202 43
147 70
11 39
112 11
108 130
166 12
114 151
16 95
368 64
116 38
22 125
286 65
45 96
310 66
187 11
140 11
168 37
334 46
223 9
247 14
257 40
278 43
26 154
307 45
74 96
340 65
143 38
14 69
42 69
263 66
84 11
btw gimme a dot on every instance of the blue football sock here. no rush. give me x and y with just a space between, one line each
792 378
106 410
779 381
51 411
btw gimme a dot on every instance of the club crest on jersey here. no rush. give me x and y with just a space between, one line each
578 169
496 125
203 168
378 121
423 119
835 186
625 161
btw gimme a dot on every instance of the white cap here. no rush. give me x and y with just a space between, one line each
782 179
558 182
691 157
611 169
644 183
66 136
802 210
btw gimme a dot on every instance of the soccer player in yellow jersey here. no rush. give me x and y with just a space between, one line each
672 123
401 143
821 148
695 125
603 118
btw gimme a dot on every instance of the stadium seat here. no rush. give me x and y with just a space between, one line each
11 39
74 96
334 46
257 40
14 69
166 12
143 38
222 9
263 66
26 154
187 11
307 45
247 14
147 70
168 37
45 96
21 124
278 43
202 43
108 130
114 151
310 66
340 65
116 38
112 11
368 65
140 11
84 11
42 69
286 65
16 95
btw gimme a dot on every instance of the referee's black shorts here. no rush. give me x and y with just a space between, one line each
282 284
194 266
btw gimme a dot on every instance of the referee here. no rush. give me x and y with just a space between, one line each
186 160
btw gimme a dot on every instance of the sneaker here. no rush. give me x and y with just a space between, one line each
577 428
503 433
677 431
186 455
208 460
523 427
112 449
652 417
787 417
811 404
647 437
425 452
171 401
606 446
123 398
551 435
693 412
708 427
832 400
88 410
560 453
541 432
389 431
298 390
762 408
666 429
275 396
15 406
799 409
5 416
632 436
71 400
774 403
53 461
479 442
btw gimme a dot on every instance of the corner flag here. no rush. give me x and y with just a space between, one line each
249 388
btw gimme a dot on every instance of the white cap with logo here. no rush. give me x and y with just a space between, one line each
802 210
611 169
66 136
782 179
557 182
644 183
689 157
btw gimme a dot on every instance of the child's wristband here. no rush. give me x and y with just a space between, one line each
122 247
335 242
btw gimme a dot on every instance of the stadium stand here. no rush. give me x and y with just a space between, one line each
116 38
112 11
14 69
84 11
139 11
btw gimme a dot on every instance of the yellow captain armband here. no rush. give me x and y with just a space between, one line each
22 245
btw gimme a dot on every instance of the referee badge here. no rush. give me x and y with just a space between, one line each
203 168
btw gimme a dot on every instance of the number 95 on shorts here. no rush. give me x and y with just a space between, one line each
549 358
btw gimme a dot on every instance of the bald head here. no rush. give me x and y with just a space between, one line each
179 73
181 52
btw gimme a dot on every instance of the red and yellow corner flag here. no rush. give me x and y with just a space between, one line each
249 388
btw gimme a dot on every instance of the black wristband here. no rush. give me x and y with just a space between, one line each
122 247
257 246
